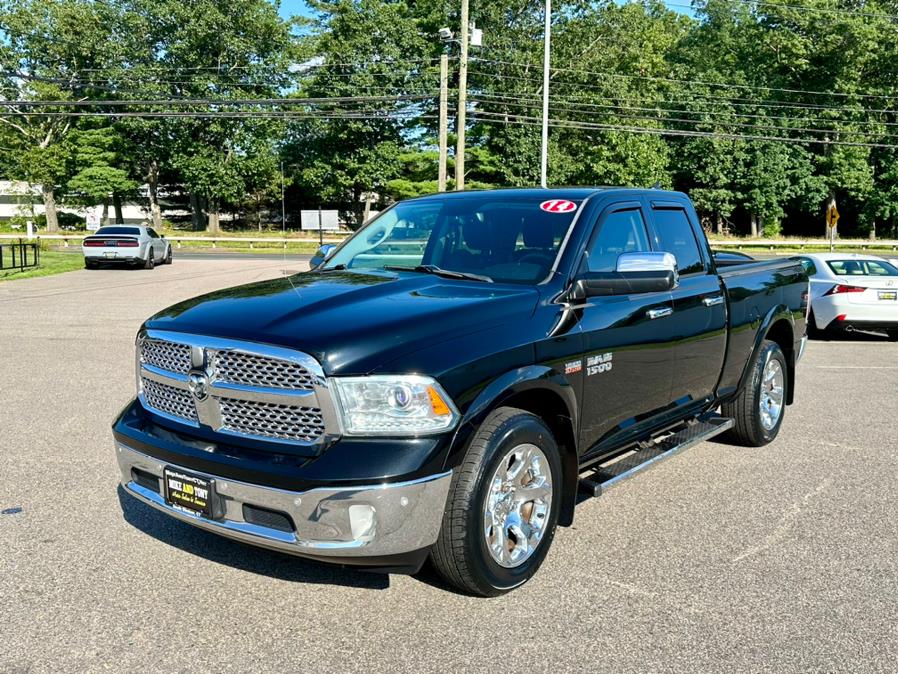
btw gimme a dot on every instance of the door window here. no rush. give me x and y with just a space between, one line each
675 235
620 232
152 233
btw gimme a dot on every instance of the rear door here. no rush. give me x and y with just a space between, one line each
627 339
699 317
157 243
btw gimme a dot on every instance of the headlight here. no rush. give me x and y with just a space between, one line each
393 405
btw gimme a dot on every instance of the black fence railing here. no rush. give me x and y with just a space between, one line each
19 255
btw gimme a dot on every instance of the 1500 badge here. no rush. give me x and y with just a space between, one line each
598 364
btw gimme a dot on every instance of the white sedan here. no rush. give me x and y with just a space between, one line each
850 291
135 245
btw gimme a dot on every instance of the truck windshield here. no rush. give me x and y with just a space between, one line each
508 239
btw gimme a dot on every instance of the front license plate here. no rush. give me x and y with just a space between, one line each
888 295
188 491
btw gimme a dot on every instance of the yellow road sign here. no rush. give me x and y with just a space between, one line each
832 215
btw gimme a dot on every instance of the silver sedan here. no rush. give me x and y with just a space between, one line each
136 245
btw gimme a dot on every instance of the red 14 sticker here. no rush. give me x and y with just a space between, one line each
558 206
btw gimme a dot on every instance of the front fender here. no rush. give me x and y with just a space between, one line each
502 389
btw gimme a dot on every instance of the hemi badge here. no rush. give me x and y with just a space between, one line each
573 367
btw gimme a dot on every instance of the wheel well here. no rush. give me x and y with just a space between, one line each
551 408
781 333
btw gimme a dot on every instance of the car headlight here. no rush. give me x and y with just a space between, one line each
393 405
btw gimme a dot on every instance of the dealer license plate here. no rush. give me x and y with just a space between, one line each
187 491
888 295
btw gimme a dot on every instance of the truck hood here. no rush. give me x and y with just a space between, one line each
351 322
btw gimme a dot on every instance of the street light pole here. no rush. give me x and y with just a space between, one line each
544 149
462 98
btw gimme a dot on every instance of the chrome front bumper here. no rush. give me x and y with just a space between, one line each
374 520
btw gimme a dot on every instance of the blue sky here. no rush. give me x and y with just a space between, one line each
293 8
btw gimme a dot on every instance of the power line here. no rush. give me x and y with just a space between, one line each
214 101
695 122
504 98
535 121
671 80
709 98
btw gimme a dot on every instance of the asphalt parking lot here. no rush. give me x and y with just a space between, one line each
721 559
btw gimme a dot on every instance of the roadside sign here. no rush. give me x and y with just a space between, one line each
317 220
832 214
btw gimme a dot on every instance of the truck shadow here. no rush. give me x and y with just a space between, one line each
239 555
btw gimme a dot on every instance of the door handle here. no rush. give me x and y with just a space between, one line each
712 301
659 313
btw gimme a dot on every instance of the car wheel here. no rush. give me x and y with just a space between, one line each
150 262
813 331
759 408
502 507
893 335
168 256
90 264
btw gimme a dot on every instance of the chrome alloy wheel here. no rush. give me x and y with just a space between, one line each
517 504
771 398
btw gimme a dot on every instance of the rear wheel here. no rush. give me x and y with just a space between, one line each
758 409
90 264
503 506
168 256
150 262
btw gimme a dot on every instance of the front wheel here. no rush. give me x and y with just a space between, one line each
759 408
503 506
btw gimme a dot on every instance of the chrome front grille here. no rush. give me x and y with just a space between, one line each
238 367
173 401
286 422
236 388
166 355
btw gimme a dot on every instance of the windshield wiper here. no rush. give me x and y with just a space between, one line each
438 271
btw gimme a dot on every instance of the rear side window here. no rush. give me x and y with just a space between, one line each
862 268
620 232
808 265
675 236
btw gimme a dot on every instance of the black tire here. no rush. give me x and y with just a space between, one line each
168 256
749 430
461 555
90 264
150 262
893 335
813 331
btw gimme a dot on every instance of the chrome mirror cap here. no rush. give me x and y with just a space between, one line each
648 262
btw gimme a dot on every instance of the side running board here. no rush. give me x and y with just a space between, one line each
597 480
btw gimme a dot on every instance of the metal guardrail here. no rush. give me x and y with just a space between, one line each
67 238
862 244
15 255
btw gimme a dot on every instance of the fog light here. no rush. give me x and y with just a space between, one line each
361 521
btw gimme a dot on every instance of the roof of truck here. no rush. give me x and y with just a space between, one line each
556 192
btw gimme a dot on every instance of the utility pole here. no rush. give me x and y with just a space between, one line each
544 148
462 98
444 104
283 202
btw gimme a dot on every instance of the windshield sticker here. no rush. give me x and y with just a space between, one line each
558 206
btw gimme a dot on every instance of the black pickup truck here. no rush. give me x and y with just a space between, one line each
445 382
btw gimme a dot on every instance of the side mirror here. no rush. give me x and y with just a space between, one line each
635 273
322 254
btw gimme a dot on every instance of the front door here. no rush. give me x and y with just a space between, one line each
627 339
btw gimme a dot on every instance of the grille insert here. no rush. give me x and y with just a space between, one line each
237 367
166 355
168 399
285 422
